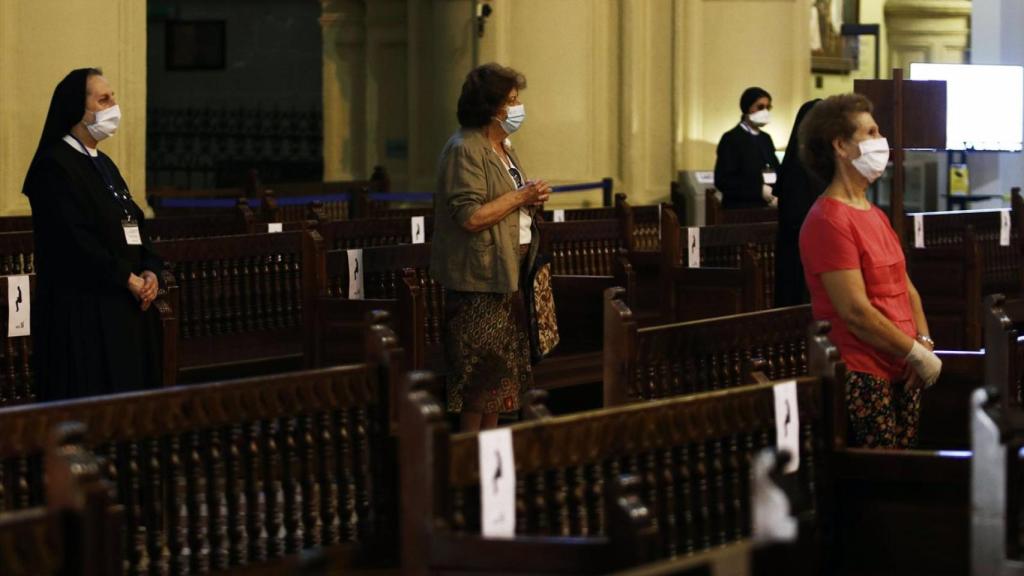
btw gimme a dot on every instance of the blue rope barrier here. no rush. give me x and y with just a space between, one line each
198 202
578 187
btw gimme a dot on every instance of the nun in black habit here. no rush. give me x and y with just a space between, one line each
796 190
93 328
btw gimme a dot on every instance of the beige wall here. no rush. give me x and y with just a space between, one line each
632 89
40 42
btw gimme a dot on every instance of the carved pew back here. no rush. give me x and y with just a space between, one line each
715 213
699 356
1004 351
199 226
17 253
949 280
690 456
735 274
78 531
1003 269
581 247
363 233
236 472
16 376
16 224
385 270
291 201
641 225
244 303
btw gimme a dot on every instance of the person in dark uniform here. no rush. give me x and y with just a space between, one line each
94 331
796 191
746 165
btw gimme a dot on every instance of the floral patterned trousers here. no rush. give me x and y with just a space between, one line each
882 414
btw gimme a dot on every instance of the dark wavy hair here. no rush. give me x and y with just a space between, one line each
831 118
484 93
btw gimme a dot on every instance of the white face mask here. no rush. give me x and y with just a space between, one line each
761 117
514 120
106 123
874 157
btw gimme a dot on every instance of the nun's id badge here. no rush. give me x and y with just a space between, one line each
131 233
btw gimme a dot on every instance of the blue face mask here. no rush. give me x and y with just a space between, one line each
514 120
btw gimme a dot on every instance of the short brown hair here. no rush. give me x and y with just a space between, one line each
484 93
831 118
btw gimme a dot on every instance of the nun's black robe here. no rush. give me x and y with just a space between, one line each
89 335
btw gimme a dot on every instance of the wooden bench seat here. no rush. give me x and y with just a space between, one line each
221 475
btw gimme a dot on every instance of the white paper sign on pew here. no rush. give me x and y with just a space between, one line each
693 247
419 230
918 231
497 483
355 274
558 216
275 227
18 306
787 423
1004 227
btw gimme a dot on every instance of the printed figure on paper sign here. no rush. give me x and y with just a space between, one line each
789 418
497 470
17 303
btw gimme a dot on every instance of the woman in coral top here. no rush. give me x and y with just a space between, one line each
856 274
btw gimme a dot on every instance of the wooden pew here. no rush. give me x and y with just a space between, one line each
238 222
949 280
340 321
715 213
640 262
243 303
337 200
890 509
1003 270
1004 354
221 475
17 377
672 359
690 458
736 272
367 232
78 531
17 253
16 224
581 247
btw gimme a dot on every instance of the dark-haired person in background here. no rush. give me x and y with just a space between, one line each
484 239
746 166
796 191
857 276
93 329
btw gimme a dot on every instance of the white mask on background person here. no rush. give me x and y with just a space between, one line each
874 157
106 123
514 120
761 117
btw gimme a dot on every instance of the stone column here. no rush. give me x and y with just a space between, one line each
343 26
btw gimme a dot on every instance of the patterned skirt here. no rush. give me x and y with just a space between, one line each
488 351
882 414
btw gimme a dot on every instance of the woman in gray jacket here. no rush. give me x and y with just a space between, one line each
484 240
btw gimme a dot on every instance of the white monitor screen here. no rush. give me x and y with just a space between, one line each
984 104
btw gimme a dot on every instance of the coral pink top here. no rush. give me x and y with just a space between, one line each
836 236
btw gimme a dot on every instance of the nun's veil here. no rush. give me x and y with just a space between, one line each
66 109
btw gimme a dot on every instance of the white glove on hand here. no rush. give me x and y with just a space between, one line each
925 363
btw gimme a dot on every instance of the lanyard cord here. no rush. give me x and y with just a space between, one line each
119 196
